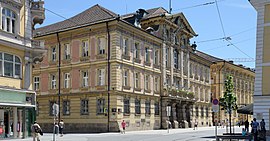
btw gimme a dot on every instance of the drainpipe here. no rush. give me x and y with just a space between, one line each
59 74
109 75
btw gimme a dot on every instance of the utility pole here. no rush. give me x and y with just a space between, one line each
170 6
59 73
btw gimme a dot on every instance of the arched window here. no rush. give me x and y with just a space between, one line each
10 65
8 20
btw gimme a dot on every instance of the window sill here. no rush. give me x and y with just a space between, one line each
100 87
126 114
147 91
126 57
156 66
84 88
84 58
52 90
101 56
52 62
147 115
147 63
66 89
126 87
137 89
66 61
137 114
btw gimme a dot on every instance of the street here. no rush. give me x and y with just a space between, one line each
202 134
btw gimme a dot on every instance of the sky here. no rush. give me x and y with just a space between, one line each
237 21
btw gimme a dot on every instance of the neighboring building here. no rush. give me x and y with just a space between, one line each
262 90
17 53
243 79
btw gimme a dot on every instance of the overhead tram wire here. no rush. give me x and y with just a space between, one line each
61 16
198 5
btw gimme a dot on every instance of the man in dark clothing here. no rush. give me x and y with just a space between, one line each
247 126
254 130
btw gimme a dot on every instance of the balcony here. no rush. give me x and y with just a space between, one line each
38 12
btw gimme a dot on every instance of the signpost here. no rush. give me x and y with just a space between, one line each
55 112
215 108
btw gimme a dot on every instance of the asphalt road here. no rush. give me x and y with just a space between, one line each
202 134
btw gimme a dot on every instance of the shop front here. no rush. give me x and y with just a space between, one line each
17 113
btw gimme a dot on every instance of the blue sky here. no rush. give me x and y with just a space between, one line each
238 18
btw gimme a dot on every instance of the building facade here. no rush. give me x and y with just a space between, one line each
243 80
17 53
108 68
262 91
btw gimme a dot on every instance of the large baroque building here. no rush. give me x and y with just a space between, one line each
102 68
262 90
243 80
17 53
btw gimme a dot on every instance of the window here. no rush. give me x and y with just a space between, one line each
67 51
8 20
147 82
66 80
202 111
101 77
125 46
126 106
206 112
156 108
101 45
156 57
100 106
53 81
10 65
36 83
136 51
125 78
197 111
137 76
167 57
176 59
53 55
84 48
147 107
84 107
156 84
66 107
85 79
147 55
51 103
137 106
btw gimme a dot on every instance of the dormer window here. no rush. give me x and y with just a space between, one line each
8 20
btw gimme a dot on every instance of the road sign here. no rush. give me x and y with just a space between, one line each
215 101
215 108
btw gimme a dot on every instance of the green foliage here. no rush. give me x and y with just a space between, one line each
228 101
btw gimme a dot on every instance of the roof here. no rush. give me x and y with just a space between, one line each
208 57
151 13
94 14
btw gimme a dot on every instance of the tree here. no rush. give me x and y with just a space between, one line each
228 101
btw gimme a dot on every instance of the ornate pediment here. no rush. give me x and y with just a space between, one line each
12 3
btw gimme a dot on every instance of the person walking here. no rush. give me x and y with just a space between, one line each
254 129
246 126
61 127
36 131
123 124
262 130
195 125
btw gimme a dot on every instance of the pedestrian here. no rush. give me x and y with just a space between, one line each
263 130
61 127
123 124
244 132
262 125
254 129
247 126
195 125
56 129
36 131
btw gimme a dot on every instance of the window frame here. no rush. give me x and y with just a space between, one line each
137 106
156 57
125 46
10 27
156 84
157 108
147 82
15 62
101 105
66 107
67 51
147 107
137 78
126 106
66 80
85 48
85 79
101 77
84 107
53 81
125 78
136 50
101 45
36 83
53 54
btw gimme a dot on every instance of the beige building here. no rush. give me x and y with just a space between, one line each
262 90
17 53
243 79
107 68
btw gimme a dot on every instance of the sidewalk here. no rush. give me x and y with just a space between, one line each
85 137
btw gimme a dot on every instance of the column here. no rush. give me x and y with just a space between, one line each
21 122
175 122
15 121
164 117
